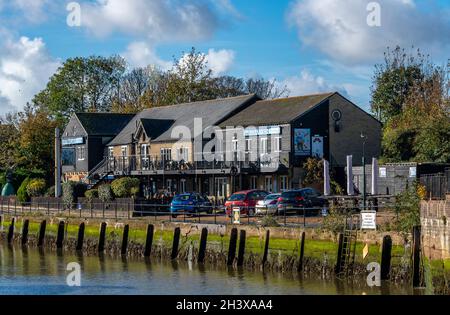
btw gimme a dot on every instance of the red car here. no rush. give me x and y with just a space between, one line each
246 200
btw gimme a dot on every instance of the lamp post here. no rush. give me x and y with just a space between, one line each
364 137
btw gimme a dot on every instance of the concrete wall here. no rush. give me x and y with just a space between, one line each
434 217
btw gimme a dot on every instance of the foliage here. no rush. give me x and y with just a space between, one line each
269 221
8 150
91 194
335 220
36 187
411 96
105 193
407 209
71 191
22 192
125 187
50 192
314 175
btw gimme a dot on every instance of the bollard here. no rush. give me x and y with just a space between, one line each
101 240
386 258
266 248
202 248
302 253
80 239
416 256
60 235
26 224
149 241
11 231
42 233
241 251
232 247
126 230
337 269
176 242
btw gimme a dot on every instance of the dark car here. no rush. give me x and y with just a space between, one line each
306 201
190 203
246 200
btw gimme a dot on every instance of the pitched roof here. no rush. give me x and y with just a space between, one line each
103 124
155 127
212 113
277 111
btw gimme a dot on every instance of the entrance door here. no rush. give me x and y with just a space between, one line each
221 187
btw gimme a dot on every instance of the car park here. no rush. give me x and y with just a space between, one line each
268 205
245 200
191 203
307 201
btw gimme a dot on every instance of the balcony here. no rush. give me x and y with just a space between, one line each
147 165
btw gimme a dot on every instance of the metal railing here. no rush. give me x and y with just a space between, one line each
437 185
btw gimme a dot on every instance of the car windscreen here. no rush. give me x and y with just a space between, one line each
182 198
237 197
290 195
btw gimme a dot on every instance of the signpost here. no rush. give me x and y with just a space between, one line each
368 220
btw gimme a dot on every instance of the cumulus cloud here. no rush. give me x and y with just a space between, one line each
307 83
141 54
340 30
220 61
155 20
34 11
25 67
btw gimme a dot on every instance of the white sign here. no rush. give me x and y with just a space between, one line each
383 172
236 215
368 220
317 147
72 141
262 131
413 171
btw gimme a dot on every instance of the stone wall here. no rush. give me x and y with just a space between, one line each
434 218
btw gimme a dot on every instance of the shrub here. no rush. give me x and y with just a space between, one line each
91 194
335 220
125 187
22 193
269 221
68 194
50 192
105 193
407 208
36 187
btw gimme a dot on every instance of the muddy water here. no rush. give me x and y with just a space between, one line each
33 272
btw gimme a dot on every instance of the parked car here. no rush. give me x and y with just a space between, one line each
301 200
246 200
268 205
190 203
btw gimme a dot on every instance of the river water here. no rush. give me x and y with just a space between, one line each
33 272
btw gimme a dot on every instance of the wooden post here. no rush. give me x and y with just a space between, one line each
80 239
241 251
232 247
25 232
11 231
149 240
339 254
126 230
101 240
202 248
42 233
386 258
60 235
266 248
416 256
302 253
176 243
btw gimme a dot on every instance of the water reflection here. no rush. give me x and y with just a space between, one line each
39 271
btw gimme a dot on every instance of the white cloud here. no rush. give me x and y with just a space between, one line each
155 20
308 83
220 61
34 11
25 67
340 30
140 54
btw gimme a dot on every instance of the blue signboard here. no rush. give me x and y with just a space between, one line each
73 141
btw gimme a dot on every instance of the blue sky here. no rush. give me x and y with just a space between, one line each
308 45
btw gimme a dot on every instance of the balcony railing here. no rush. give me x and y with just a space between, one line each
137 163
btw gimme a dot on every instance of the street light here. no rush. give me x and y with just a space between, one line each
364 137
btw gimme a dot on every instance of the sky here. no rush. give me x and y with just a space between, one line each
309 46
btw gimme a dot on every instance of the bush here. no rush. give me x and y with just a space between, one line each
407 208
36 187
105 193
269 221
68 194
91 194
50 192
125 187
335 220
22 192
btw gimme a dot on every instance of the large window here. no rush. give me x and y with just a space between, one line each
166 154
81 153
284 183
68 156
254 182
278 146
263 146
268 184
183 154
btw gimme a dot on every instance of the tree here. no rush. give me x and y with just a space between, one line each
9 143
80 85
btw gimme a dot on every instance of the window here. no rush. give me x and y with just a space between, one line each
81 153
166 154
268 183
263 146
124 151
169 185
144 150
235 144
254 182
111 152
183 186
183 154
248 145
284 183
278 147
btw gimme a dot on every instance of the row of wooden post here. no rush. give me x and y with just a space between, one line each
385 254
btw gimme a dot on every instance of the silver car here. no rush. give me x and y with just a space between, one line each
268 205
